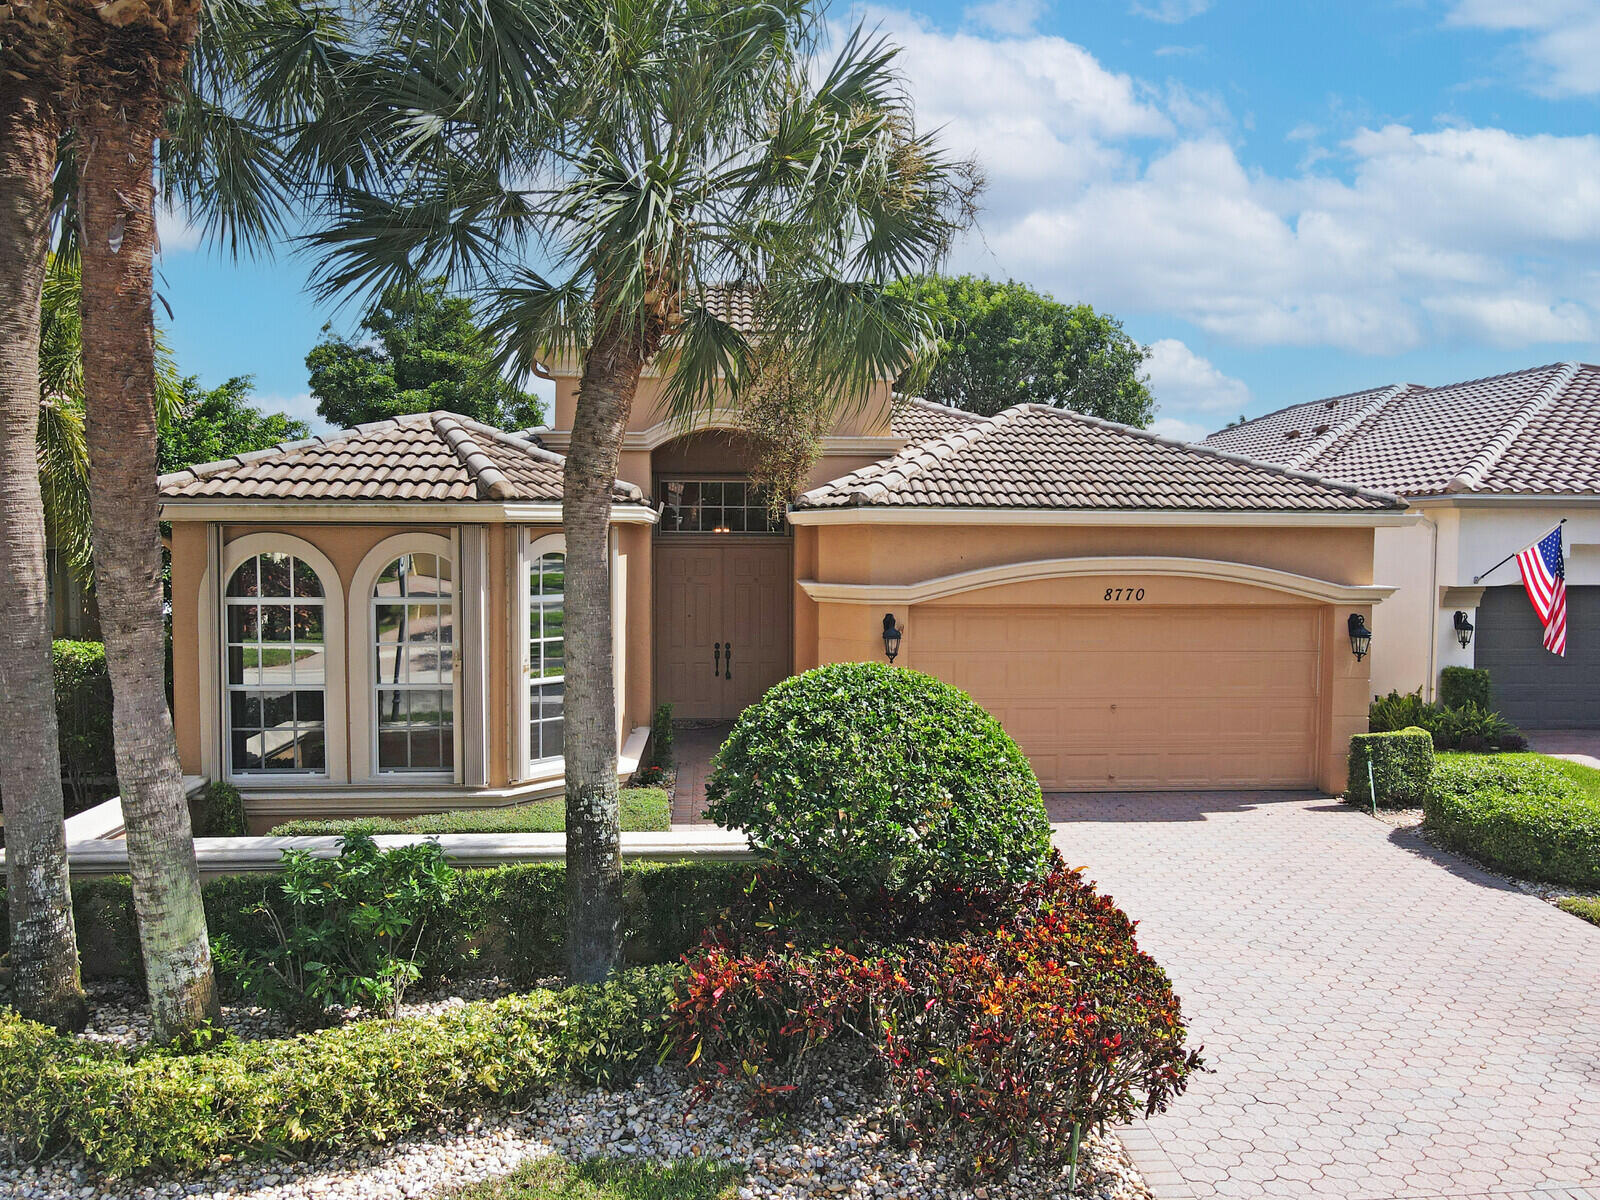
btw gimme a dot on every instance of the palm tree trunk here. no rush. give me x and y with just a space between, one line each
594 840
44 950
116 200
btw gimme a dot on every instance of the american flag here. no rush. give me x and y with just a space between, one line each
1544 575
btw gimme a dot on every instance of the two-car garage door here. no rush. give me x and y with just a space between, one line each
1125 699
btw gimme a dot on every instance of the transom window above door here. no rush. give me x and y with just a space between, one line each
691 505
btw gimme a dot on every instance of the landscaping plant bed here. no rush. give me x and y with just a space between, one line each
837 1147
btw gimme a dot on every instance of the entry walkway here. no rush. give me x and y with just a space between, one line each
1383 1021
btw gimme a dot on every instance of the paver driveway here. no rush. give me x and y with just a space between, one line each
1384 1021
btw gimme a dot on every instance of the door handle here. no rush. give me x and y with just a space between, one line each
728 670
716 660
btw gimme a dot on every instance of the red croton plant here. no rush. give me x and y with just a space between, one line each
1003 1023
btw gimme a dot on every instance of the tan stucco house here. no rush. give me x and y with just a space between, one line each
372 621
1489 466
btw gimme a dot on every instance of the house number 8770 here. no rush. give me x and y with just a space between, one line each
1125 594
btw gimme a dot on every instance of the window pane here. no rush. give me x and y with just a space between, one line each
392 708
275 622
244 622
393 750
310 667
306 582
308 622
246 751
425 750
245 710
243 582
308 708
390 622
313 751
275 574
277 708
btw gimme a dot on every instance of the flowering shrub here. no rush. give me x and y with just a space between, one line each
1008 1038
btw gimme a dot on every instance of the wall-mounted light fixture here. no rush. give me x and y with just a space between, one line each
892 634
1360 637
1463 629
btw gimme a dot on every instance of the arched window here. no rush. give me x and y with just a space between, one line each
414 646
277 666
547 657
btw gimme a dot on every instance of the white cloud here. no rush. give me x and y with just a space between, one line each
1178 430
1010 17
1131 195
1560 39
174 231
1172 12
1180 378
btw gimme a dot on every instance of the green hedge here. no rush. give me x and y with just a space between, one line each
359 1084
83 719
643 810
1525 814
1401 763
508 921
1461 686
218 811
1581 906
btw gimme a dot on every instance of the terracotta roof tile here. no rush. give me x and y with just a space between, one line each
917 420
1532 431
1032 456
435 456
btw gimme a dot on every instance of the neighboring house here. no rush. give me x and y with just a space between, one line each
1491 465
372 621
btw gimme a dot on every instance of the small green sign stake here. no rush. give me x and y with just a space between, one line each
1372 787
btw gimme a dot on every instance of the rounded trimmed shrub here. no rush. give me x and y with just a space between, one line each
1518 813
870 777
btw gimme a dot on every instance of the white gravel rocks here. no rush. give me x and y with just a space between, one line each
837 1148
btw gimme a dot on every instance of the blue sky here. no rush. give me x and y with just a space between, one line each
1285 200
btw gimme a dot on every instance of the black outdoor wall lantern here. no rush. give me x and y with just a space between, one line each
1463 629
892 634
1360 637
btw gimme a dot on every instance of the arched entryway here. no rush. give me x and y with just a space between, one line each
724 579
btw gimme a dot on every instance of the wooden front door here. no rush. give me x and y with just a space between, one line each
722 622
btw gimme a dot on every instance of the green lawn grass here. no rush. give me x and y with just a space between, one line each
1587 778
643 810
607 1179
1581 906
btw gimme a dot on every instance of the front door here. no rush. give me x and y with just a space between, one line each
722 622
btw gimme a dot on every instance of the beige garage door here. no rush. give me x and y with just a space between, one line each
1107 700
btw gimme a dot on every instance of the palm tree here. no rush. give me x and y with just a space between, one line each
137 78
682 145
63 448
44 952
132 62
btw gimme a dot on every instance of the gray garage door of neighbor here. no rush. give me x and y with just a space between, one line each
1529 685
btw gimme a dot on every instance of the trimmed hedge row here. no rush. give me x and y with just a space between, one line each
1519 813
1401 763
359 1084
507 921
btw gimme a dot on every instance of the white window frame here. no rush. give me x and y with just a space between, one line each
363 662
234 553
534 544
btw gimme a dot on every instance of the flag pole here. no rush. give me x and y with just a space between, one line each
1510 556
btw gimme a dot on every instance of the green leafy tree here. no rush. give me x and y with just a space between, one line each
216 423
1005 343
643 153
428 355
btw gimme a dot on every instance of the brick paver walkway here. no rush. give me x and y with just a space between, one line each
692 747
1384 1021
